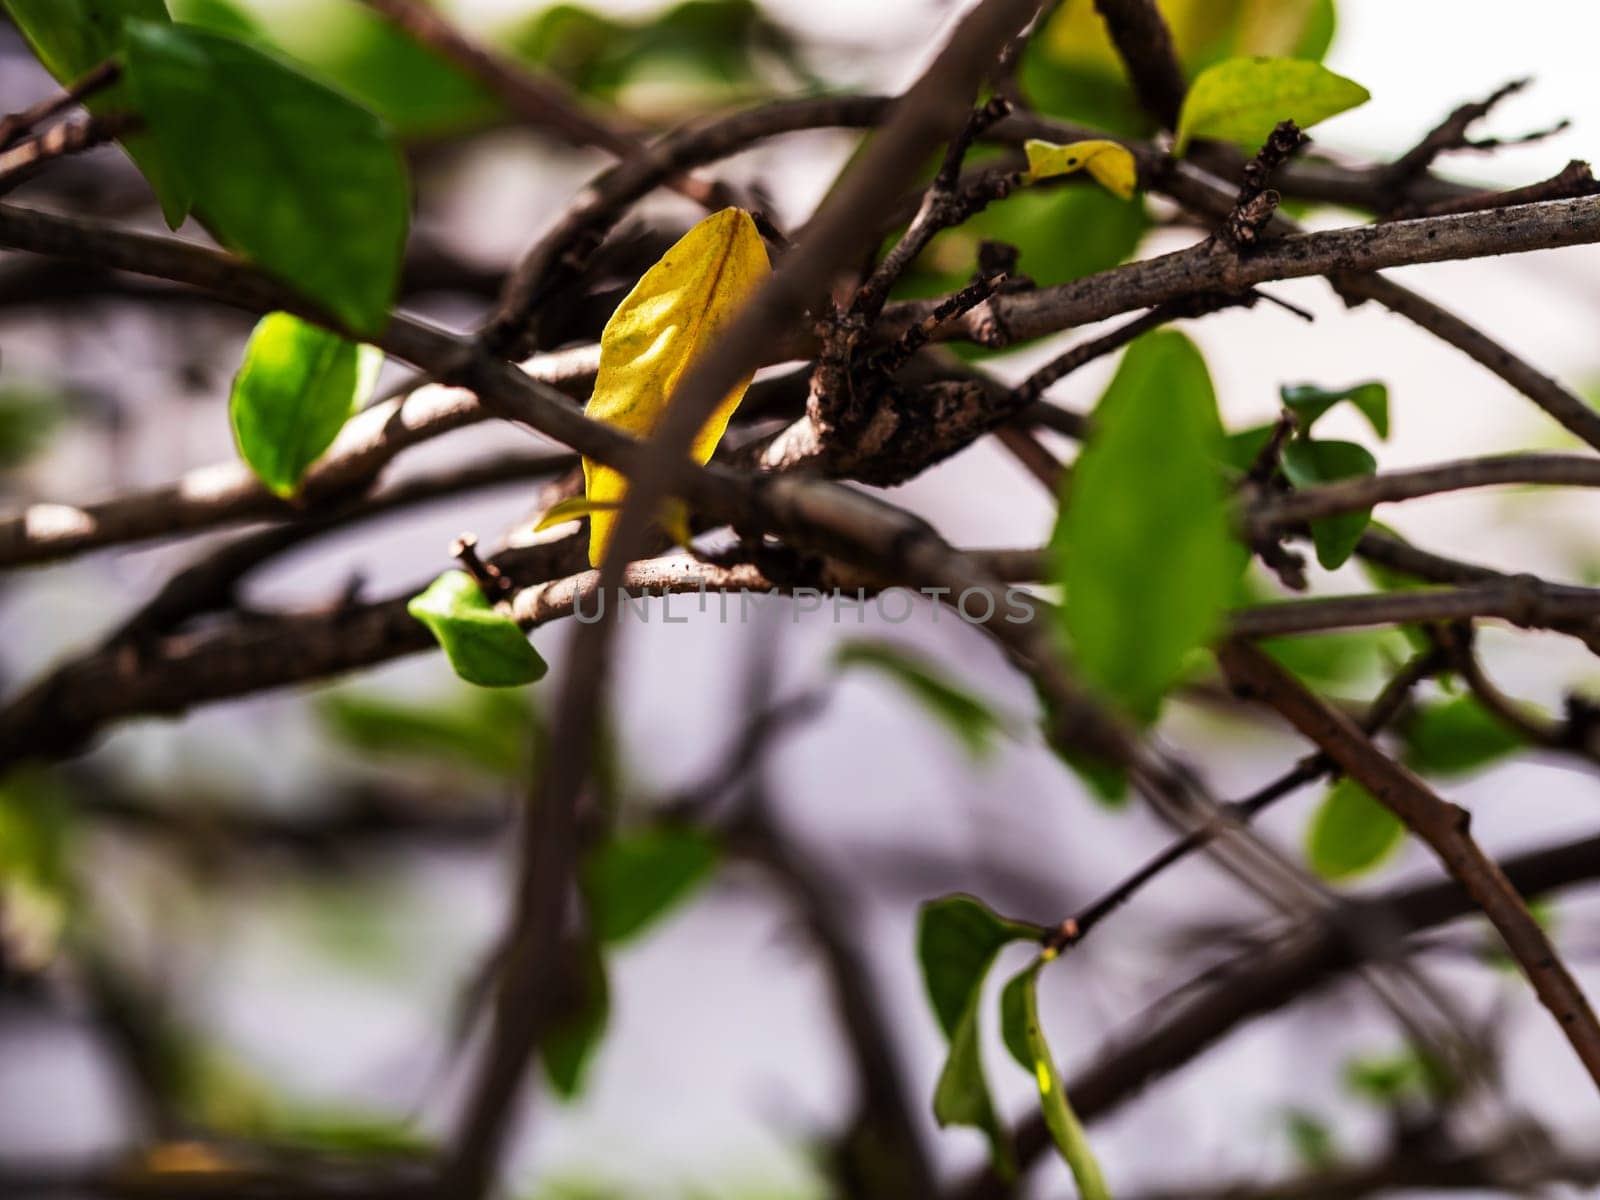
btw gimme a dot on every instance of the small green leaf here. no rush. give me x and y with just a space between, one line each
485 646
1456 736
1143 548
957 940
71 38
295 390
1351 832
1242 99
1308 463
1024 1037
1308 402
972 721
569 1046
635 878
282 169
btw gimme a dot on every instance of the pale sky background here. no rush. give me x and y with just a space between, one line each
721 1057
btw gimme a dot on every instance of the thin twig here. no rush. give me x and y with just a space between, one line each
1383 709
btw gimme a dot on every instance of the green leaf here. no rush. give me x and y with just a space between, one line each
1308 402
1453 737
71 38
957 940
295 390
1351 832
575 1034
283 169
1242 99
488 731
1143 547
485 646
637 877
418 93
1024 1037
1307 463
972 721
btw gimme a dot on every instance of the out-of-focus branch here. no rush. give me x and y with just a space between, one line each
1442 825
1506 1168
1389 487
537 100
1142 38
18 125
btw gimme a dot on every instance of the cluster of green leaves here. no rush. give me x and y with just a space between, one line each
1072 70
708 51
958 939
1351 833
281 168
1308 461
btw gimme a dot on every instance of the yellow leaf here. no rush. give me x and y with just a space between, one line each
1111 163
680 306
